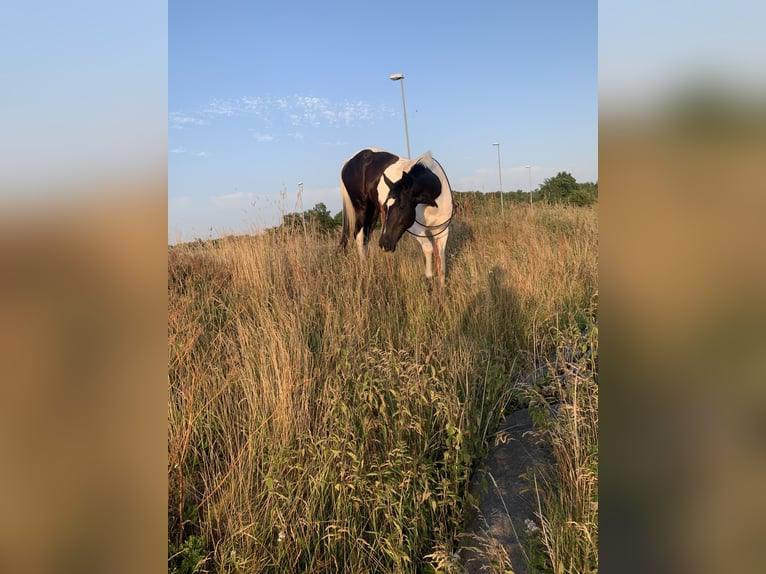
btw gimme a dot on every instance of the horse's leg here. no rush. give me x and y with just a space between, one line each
440 255
358 234
343 236
382 216
361 242
370 217
438 265
428 249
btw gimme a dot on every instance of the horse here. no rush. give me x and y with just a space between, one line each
409 195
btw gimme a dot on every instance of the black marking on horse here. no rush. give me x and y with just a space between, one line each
418 186
360 176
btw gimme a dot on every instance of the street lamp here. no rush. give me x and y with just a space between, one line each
299 204
500 175
397 77
529 170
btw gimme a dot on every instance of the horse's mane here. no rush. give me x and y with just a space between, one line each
426 160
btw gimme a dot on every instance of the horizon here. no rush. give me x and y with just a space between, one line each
284 212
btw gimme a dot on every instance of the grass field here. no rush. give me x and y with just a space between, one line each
325 413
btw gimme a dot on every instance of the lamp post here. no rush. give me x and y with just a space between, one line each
400 77
300 204
529 170
500 175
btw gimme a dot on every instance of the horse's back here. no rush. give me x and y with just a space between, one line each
361 173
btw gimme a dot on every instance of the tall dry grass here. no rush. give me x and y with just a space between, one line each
325 413
564 405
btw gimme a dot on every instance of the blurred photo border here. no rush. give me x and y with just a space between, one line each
83 288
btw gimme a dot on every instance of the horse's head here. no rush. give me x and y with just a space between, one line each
418 186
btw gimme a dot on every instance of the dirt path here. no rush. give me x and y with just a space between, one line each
507 501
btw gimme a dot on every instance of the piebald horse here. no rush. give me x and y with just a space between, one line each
411 195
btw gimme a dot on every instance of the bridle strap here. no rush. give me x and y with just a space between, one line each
445 225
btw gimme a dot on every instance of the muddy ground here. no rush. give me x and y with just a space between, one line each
505 489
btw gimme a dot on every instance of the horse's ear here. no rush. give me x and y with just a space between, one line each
406 179
389 183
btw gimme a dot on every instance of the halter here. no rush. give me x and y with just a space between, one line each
445 225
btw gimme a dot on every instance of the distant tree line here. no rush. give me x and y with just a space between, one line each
560 189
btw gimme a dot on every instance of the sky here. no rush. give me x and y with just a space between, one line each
266 99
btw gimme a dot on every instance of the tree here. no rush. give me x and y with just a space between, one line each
317 218
320 217
559 189
581 197
564 189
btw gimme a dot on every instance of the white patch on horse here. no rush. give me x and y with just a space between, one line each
361 247
390 202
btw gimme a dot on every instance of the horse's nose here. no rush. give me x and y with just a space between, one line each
387 245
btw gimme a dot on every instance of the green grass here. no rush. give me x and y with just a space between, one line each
564 405
325 413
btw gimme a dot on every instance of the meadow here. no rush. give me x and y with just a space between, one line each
325 414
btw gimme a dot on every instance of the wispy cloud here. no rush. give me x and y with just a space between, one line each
178 120
182 150
296 110
312 111
219 107
261 137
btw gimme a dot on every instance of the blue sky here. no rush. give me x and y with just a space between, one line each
264 95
